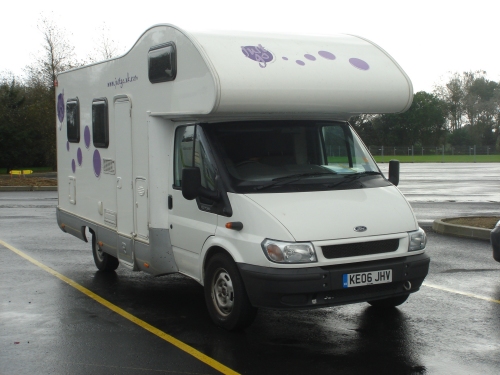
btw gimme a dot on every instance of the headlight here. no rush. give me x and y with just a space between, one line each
289 252
418 240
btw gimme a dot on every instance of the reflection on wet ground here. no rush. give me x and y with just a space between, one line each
434 332
449 182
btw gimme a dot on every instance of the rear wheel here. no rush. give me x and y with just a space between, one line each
389 302
225 294
102 260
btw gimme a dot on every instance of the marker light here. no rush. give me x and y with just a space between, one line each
289 252
235 225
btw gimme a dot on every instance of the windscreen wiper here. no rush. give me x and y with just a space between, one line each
291 178
352 177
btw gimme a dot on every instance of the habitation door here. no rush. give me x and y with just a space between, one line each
124 185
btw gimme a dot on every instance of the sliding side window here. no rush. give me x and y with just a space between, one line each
100 122
73 120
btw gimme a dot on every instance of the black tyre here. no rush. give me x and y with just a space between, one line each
225 294
103 261
389 302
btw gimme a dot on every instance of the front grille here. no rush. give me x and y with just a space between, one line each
360 248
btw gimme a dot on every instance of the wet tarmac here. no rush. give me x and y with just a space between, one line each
48 327
449 182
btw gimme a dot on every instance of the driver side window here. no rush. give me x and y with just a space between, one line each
190 151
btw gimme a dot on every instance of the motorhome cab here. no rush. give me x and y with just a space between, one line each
228 157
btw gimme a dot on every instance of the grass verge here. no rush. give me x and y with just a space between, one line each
34 169
439 158
27 181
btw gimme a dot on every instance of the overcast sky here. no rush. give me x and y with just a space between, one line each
429 39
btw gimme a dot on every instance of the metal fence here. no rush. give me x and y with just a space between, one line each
433 150
442 153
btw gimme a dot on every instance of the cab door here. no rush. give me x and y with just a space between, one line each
191 222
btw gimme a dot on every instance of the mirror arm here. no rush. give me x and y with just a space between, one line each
209 194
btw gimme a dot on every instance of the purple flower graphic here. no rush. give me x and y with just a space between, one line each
258 53
60 107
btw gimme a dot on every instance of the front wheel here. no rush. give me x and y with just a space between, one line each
225 294
389 302
103 261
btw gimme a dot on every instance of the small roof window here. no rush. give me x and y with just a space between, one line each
162 63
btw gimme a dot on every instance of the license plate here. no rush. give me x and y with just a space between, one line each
351 280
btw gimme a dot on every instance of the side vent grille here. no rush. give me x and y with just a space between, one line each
108 166
110 217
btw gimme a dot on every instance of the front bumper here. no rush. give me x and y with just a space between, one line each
322 286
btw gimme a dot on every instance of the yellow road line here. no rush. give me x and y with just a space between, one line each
461 293
172 340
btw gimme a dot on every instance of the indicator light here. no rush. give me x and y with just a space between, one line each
235 225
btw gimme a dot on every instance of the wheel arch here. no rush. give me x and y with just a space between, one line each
209 254
93 230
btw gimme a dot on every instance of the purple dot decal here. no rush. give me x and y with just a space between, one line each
285 58
300 62
310 57
360 64
67 146
327 55
86 136
73 165
79 156
97 163
60 107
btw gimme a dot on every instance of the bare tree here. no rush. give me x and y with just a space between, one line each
473 102
57 54
105 47
453 94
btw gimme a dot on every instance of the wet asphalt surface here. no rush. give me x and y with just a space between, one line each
48 327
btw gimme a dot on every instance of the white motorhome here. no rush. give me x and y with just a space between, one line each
228 157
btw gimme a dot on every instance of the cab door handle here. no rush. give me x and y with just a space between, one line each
170 202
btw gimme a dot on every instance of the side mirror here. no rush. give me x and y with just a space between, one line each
191 182
394 172
191 185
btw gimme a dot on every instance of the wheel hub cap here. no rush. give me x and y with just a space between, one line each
222 292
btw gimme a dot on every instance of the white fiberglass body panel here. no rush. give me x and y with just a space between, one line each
269 73
328 215
193 91
258 225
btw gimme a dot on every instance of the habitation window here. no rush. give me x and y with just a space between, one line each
162 62
73 120
100 125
